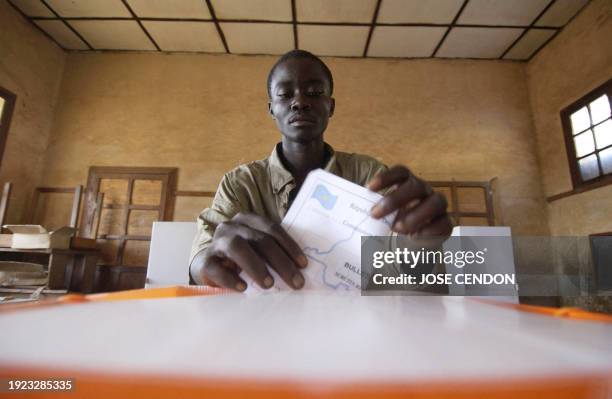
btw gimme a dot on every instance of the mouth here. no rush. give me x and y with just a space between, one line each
300 120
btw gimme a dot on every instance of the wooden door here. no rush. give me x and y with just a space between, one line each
134 197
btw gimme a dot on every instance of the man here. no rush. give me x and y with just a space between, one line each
241 230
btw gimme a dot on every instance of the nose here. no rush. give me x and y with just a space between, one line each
300 102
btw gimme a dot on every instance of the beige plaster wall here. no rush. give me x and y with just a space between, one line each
31 66
575 62
468 120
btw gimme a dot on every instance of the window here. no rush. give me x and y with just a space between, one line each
7 104
588 137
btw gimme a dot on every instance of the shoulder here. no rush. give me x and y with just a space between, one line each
358 168
246 172
360 160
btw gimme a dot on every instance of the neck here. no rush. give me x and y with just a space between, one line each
301 158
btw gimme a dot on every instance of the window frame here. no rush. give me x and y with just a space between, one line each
577 182
6 117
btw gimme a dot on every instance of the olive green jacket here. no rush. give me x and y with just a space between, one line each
263 187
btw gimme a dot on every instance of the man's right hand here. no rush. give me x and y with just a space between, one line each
249 243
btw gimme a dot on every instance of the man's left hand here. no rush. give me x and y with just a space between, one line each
421 212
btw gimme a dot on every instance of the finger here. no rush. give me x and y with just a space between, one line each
441 226
412 220
216 274
408 191
237 249
274 255
402 212
287 243
434 233
225 262
387 178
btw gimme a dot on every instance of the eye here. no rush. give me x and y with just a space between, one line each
283 94
314 93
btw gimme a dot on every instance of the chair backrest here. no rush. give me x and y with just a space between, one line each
499 259
4 202
169 253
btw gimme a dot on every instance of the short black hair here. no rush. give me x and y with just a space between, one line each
300 54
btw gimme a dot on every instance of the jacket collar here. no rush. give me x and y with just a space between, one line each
280 176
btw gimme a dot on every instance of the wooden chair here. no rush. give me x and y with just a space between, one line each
4 202
76 201
93 222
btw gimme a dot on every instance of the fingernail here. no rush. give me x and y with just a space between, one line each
376 211
398 226
268 281
240 286
298 281
413 203
303 261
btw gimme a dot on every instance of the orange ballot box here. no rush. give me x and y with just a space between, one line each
186 343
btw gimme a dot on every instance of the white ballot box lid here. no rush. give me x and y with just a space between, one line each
311 339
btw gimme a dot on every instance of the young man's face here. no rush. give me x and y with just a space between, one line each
300 99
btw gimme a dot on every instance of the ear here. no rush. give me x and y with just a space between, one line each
270 110
332 107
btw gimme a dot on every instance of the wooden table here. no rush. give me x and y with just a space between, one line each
71 269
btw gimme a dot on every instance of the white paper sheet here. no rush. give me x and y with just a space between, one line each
327 219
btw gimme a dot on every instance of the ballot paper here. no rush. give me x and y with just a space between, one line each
327 219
